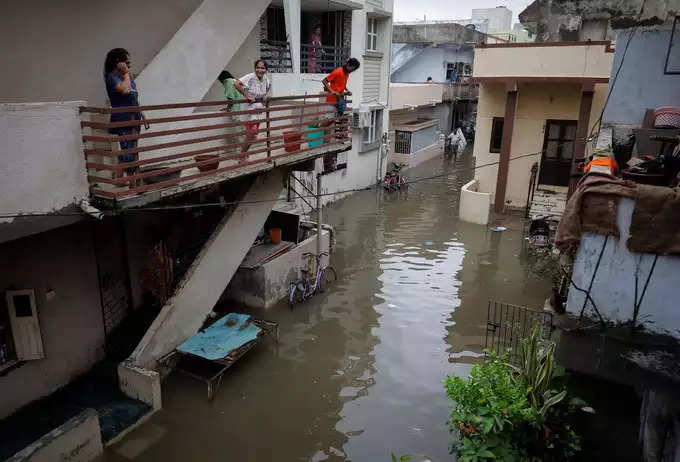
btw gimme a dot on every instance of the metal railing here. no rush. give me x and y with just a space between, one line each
168 154
464 89
277 54
507 325
321 59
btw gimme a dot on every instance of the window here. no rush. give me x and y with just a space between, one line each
372 34
20 337
496 134
672 66
402 142
457 72
333 162
373 131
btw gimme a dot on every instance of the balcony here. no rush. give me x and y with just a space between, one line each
186 152
461 90
321 59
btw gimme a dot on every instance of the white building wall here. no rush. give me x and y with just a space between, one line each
500 18
614 285
42 167
370 88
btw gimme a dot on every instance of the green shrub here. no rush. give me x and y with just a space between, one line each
513 413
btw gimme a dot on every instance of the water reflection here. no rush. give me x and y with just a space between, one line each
358 372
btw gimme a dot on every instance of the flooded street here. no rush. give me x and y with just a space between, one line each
358 371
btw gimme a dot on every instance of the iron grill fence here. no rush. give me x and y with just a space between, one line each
507 325
321 59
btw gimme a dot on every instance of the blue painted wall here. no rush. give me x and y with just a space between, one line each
431 62
641 83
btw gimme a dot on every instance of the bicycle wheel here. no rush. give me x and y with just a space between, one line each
296 293
292 296
328 277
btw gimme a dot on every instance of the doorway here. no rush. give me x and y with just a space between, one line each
558 149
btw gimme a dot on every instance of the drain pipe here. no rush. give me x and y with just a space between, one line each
318 214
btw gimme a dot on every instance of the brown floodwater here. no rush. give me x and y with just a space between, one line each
358 372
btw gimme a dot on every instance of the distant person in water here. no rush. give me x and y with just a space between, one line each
122 92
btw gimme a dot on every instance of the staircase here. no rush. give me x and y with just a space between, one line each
188 65
549 201
209 274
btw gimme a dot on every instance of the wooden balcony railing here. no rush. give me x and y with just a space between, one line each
277 55
322 59
168 155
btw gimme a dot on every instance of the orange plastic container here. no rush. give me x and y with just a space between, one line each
275 235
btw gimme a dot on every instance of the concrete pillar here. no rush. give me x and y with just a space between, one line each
292 12
587 92
211 271
506 146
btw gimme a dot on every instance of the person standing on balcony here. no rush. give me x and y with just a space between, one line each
256 88
122 92
231 94
315 52
335 86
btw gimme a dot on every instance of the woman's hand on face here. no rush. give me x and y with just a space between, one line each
122 68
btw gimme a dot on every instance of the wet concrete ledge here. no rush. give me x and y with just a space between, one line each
77 440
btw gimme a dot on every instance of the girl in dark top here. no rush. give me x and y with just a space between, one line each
122 92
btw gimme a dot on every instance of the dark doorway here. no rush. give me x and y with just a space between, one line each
558 148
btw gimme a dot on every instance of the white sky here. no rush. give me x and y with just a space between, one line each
410 10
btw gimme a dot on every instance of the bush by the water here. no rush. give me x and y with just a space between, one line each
513 412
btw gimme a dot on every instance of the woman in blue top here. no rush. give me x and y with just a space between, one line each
122 92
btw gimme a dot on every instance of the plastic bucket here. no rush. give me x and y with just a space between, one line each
275 235
313 143
291 137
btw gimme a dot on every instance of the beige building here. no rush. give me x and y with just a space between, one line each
537 102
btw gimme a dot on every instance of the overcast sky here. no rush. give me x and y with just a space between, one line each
410 10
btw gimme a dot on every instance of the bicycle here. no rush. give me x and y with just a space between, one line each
302 290
394 180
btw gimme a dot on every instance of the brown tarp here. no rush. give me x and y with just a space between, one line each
592 208
655 226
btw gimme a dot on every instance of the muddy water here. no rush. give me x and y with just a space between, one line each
358 371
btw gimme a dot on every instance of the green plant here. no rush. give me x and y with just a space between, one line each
488 408
537 371
513 412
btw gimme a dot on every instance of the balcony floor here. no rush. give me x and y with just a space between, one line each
258 167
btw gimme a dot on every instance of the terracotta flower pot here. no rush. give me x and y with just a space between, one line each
210 166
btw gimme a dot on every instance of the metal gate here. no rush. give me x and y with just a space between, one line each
507 325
